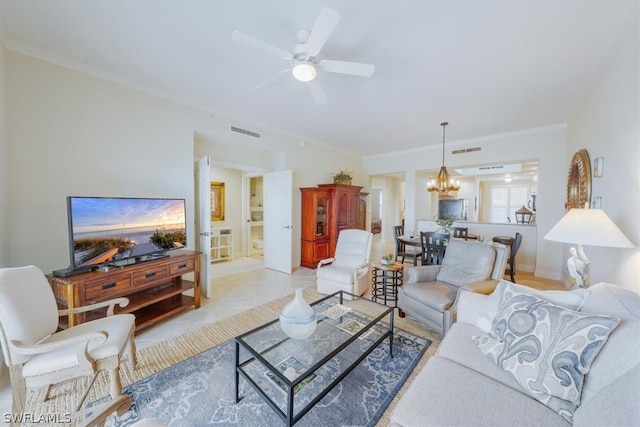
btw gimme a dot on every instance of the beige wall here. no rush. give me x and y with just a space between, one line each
546 145
608 125
5 259
70 133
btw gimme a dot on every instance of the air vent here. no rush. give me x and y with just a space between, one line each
485 168
245 132
466 150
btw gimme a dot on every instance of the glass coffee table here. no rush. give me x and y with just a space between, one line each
293 375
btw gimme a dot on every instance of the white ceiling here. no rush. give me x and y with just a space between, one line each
487 67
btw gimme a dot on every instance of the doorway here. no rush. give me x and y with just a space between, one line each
254 233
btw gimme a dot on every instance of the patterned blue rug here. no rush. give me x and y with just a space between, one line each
200 391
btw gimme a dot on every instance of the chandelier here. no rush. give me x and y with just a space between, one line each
443 183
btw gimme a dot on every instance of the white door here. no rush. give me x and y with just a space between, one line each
203 221
278 211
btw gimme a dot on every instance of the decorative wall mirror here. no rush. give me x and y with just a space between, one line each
579 180
217 201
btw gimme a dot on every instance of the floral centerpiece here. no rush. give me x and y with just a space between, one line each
444 225
343 176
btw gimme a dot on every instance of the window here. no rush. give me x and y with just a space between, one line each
506 200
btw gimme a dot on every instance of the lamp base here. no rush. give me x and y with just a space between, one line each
579 268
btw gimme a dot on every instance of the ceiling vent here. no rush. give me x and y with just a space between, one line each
466 150
245 132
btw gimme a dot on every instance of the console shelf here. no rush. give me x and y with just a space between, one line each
155 289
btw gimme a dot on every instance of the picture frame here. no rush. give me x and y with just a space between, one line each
598 167
217 201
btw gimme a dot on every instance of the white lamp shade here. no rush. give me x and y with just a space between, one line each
589 227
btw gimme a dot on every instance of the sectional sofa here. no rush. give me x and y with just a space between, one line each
521 357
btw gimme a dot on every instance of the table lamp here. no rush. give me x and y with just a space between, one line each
590 227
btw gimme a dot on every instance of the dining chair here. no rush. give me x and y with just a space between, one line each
433 247
40 356
514 244
511 262
404 251
460 232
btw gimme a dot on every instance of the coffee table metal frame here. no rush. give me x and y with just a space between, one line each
289 416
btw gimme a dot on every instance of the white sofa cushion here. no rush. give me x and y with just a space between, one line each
547 348
622 352
445 393
487 308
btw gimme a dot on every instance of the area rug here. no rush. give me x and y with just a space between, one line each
153 359
200 390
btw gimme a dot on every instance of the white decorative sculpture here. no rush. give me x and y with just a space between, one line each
298 320
579 267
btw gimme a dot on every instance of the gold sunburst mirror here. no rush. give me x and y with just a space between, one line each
579 180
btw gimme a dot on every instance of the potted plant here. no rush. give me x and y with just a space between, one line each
343 176
386 259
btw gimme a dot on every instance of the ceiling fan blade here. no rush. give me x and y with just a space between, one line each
344 67
266 82
317 92
322 29
259 44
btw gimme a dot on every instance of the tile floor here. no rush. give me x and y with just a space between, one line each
248 286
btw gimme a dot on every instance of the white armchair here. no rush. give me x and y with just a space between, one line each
347 270
38 356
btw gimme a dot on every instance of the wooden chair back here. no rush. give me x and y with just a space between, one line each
433 247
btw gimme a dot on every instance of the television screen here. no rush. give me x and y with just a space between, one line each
105 230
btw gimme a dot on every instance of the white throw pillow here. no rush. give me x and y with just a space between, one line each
547 348
572 300
472 305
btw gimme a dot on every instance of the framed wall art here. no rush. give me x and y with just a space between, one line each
217 201
579 181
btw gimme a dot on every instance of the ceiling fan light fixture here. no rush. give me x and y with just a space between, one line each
304 71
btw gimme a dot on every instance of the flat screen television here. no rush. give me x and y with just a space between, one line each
123 230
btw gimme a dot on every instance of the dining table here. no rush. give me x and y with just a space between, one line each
410 241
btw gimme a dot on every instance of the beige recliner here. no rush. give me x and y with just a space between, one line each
430 293
347 270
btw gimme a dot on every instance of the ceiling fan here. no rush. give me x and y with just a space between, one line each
304 55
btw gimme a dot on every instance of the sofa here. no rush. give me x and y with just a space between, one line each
534 379
430 292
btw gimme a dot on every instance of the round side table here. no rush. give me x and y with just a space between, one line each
385 279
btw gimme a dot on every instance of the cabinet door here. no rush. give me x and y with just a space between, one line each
354 208
322 215
362 212
343 209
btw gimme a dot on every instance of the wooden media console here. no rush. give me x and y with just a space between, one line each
155 289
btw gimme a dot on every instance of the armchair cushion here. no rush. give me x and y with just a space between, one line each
336 274
353 248
116 327
425 273
438 295
456 268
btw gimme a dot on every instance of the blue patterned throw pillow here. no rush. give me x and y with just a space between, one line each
546 347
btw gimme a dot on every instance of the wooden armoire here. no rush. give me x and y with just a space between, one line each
326 210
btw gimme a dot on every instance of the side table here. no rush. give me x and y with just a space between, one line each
385 279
